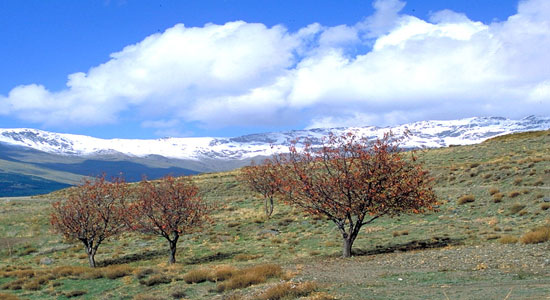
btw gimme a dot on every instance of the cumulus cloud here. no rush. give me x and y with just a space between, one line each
247 74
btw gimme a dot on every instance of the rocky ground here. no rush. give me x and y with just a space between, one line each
490 271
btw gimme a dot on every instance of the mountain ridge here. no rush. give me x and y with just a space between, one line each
431 134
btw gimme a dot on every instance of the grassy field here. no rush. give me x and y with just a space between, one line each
491 195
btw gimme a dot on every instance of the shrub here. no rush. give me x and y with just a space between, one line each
508 239
466 199
537 235
517 207
493 190
197 275
156 279
514 194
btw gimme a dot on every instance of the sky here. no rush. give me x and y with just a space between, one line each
159 68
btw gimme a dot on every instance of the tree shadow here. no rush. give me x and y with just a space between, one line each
435 242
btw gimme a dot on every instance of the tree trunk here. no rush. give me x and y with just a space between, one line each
346 247
91 256
268 207
173 245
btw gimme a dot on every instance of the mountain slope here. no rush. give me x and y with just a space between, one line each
41 156
431 134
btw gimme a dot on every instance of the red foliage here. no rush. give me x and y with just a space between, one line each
94 211
264 180
169 208
353 182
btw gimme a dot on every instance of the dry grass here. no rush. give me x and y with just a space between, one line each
466 199
288 290
221 273
497 198
493 190
197 275
156 279
545 206
250 276
400 233
8 297
114 272
514 194
508 239
537 235
517 207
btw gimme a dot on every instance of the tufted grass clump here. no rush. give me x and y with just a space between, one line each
493 190
508 239
466 199
517 207
250 276
288 290
197 275
537 235
497 198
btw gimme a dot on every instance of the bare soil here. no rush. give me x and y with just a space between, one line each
489 271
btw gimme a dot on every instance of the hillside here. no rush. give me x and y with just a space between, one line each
475 254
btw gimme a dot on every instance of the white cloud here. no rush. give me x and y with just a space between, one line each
243 74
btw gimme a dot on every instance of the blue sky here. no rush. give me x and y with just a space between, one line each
146 69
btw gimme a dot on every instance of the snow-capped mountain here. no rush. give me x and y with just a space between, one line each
422 134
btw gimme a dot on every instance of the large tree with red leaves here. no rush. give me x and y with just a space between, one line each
169 207
353 181
93 212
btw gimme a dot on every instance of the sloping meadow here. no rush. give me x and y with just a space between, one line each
494 193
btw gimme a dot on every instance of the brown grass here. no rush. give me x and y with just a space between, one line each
114 272
517 207
466 199
514 194
493 190
537 235
545 206
8 297
250 276
156 279
508 239
197 275
288 290
221 273
497 198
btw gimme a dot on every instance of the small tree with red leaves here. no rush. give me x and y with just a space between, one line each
169 207
264 180
94 211
353 182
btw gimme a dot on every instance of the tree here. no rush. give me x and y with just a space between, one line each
353 182
169 208
93 212
263 179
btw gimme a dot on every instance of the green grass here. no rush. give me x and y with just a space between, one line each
241 236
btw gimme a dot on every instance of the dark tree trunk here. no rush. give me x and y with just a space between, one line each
268 207
173 245
90 250
346 247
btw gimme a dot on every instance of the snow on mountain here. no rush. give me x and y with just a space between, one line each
430 134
